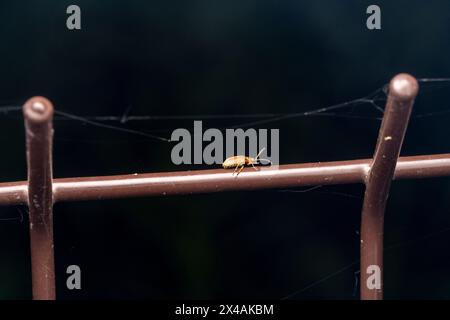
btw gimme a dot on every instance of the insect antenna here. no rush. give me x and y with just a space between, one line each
258 160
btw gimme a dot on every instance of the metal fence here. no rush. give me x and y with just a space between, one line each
41 191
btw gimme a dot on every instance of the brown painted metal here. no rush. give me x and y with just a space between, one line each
40 191
38 114
403 90
217 180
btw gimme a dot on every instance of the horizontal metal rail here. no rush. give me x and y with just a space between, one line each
41 191
218 180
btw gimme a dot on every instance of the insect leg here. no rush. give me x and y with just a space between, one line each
240 169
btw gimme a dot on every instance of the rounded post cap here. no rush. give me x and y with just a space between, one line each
403 87
38 109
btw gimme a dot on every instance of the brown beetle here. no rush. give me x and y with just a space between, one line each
239 162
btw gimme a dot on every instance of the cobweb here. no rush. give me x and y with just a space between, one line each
374 100
368 107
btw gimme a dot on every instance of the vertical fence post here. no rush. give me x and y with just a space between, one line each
403 89
38 114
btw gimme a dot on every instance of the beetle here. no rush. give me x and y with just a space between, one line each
239 162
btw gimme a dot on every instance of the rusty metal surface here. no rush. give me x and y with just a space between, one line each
38 114
403 90
217 180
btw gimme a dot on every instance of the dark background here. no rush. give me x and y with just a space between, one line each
225 57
